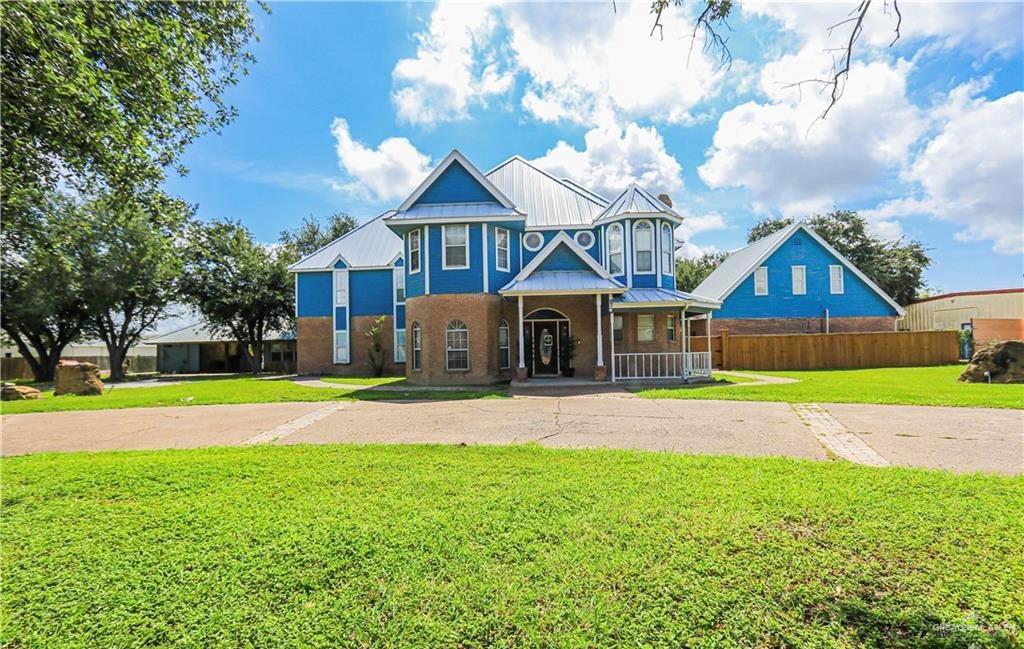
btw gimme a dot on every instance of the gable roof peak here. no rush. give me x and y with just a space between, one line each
455 156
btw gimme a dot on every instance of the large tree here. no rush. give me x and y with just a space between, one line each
691 272
130 265
312 234
108 94
241 287
896 266
43 307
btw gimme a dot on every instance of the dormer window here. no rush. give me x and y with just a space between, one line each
667 250
456 247
414 252
643 241
615 249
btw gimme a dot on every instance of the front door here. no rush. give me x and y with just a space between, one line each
545 348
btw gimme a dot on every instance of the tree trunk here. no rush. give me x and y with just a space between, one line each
117 355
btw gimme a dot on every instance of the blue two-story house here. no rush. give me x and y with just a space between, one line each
793 281
512 273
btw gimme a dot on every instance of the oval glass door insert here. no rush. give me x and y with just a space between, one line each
547 343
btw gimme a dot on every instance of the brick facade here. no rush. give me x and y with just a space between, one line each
741 326
481 313
316 347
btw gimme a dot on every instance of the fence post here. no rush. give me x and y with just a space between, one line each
725 350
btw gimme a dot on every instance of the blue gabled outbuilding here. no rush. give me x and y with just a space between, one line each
793 281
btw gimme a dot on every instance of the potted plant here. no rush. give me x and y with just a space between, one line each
566 352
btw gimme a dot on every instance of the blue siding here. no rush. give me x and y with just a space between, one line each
470 280
668 281
400 316
563 259
340 265
340 321
315 294
858 299
370 292
456 185
594 250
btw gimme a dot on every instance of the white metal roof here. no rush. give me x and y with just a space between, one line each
636 200
371 244
646 297
738 266
547 201
456 211
562 281
200 333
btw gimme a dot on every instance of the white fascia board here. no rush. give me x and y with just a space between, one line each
757 262
639 215
546 251
455 156
455 220
670 304
581 291
856 271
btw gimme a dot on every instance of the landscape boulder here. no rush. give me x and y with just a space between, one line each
1004 361
12 392
73 377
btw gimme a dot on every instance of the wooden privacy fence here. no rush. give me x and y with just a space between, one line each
17 367
830 351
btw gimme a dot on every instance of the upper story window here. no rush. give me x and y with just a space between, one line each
584 239
456 246
501 249
615 249
340 288
399 286
761 280
799 274
835 280
533 241
456 346
643 247
414 251
667 250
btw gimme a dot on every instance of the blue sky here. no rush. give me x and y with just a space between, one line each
349 105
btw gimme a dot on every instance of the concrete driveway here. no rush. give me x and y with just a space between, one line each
957 439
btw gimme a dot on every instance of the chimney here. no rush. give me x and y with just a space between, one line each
666 199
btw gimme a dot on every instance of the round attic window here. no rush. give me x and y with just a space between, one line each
533 241
584 239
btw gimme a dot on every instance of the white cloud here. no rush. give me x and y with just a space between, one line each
972 172
612 158
985 26
451 71
389 172
790 162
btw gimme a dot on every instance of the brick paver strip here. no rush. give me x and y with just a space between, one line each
835 437
295 425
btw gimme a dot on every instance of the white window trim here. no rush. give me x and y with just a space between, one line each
508 250
503 324
341 275
396 274
539 245
667 255
447 358
347 347
670 331
757 271
444 246
654 249
398 346
654 325
419 251
842 280
792 278
621 251
416 328
576 238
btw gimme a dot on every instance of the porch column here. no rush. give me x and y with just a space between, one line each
707 324
522 338
600 339
611 327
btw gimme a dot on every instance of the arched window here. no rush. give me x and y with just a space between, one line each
417 346
615 249
456 338
667 250
504 359
643 247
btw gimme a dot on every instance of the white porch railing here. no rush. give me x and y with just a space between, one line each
675 365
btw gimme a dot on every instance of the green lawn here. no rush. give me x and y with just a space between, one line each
419 546
925 386
219 391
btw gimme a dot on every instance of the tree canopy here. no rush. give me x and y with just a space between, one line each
240 287
691 272
312 234
108 94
